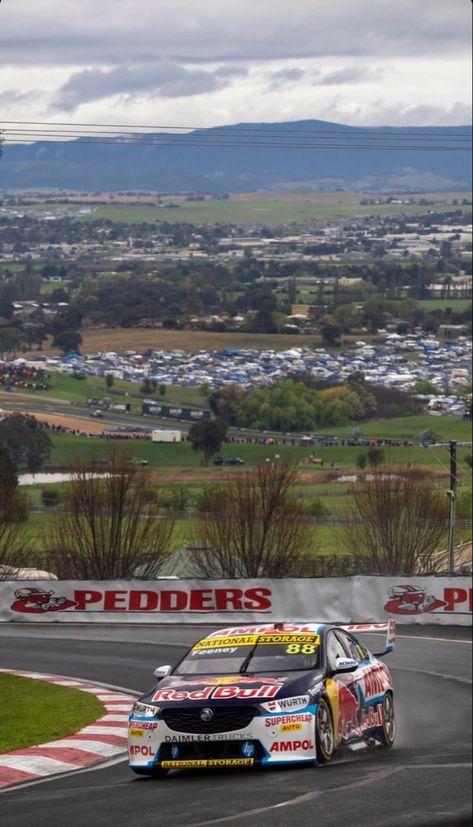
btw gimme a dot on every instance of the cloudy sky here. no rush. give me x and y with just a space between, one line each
209 62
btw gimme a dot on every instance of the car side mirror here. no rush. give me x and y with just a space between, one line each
162 672
345 665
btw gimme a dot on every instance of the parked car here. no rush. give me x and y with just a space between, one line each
234 461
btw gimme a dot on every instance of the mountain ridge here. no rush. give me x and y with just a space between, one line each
199 161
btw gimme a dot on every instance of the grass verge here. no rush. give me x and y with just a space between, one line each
34 712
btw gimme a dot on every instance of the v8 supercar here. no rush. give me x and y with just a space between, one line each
281 693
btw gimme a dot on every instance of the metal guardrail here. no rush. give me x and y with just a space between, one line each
322 520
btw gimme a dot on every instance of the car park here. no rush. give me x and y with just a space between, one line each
392 361
262 695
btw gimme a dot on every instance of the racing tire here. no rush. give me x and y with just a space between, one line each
324 733
388 728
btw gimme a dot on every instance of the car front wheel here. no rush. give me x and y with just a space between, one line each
389 721
324 733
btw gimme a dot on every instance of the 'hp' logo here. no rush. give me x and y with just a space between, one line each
248 749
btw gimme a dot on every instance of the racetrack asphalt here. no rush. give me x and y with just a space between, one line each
424 780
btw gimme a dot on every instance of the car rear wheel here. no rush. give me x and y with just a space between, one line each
389 720
324 733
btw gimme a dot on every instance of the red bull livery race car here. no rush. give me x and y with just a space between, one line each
281 693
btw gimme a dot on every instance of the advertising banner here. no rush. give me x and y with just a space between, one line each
150 408
442 600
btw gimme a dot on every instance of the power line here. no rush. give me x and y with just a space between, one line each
445 467
220 144
359 132
209 136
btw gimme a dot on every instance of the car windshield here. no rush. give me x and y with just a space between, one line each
275 652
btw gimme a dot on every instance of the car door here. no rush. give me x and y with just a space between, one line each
348 720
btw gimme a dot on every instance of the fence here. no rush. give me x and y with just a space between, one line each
420 599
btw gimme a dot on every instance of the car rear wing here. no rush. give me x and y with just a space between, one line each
389 627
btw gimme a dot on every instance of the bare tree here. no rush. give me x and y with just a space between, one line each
12 545
395 523
253 526
111 525
13 512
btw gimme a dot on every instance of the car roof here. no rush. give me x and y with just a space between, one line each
266 628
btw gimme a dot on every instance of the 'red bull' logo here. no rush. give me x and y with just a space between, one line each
349 722
412 600
38 601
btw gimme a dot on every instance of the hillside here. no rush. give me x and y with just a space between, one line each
189 162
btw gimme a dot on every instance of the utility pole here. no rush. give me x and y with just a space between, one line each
453 506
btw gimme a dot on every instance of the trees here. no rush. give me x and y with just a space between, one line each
375 456
12 535
253 526
109 527
291 406
148 387
67 340
109 380
8 475
395 523
224 403
27 442
331 333
207 436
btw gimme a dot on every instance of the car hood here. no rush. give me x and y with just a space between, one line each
247 688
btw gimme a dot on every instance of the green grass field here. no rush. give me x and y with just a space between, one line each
457 305
67 448
270 211
34 712
66 387
444 428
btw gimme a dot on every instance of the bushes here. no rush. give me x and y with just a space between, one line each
50 499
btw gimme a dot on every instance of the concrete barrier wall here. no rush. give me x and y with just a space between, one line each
442 600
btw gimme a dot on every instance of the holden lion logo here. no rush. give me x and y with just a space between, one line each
411 600
206 715
38 601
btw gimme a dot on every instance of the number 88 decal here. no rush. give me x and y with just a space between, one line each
302 649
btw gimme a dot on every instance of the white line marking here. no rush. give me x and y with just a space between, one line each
96 747
118 707
35 764
13 788
104 730
305 797
441 639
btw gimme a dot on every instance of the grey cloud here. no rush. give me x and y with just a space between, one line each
90 33
164 79
285 77
378 112
349 75
11 97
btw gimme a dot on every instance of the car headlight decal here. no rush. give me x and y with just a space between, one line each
142 710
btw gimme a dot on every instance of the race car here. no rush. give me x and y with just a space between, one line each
283 693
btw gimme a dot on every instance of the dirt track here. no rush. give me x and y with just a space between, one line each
73 422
